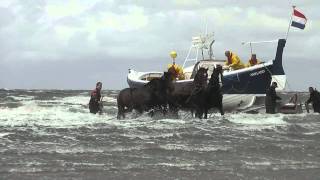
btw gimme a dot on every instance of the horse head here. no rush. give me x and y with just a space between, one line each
219 69
167 79
201 77
214 82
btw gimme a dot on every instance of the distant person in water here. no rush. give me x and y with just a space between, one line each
253 61
233 61
314 99
271 98
96 99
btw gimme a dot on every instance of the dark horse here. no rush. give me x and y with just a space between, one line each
213 92
152 95
197 99
205 96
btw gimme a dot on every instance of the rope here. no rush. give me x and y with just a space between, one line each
270 72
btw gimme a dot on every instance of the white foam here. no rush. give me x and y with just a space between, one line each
75 100
199 148
21 98
83 100
109 99
257 119
58 116
4 134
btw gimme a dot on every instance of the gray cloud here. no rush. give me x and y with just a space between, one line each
71 44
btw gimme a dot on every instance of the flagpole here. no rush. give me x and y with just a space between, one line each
290 22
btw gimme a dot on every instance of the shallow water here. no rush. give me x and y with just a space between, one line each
50 135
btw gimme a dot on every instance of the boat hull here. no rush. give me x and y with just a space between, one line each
254 80
250 81
233 99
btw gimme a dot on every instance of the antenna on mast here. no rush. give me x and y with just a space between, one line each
203 42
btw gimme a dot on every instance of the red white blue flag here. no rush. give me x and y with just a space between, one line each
298 19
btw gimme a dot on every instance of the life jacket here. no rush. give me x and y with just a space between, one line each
253 61
173 70
230 58
95 95
234 61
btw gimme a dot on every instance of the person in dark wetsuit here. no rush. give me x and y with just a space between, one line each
314 99
271 98
95 100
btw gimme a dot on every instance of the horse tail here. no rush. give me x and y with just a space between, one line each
120 105
120 111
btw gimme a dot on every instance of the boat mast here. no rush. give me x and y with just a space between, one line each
203 43
257 42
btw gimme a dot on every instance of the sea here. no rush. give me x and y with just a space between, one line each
50 134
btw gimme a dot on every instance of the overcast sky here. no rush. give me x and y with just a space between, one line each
71 44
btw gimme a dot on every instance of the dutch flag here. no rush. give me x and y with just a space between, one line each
298 19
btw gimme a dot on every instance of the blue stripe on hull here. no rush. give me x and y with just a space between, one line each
249 82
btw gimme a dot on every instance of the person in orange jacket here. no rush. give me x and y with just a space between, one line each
253 61
176 70
233 61
95 103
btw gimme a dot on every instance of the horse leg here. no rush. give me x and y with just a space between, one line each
221 109
151 113
196 114
164 109
139 110
206 113
173 109
120 112
199 113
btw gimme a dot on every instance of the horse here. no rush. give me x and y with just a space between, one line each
162 89
152 95
213 92
206 96
197 99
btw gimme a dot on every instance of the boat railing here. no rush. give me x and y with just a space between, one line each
199 44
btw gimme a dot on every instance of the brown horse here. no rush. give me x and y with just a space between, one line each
151 96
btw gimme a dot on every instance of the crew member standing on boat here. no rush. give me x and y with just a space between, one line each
95 103
271 98
233 61
253 61
175 69
314 99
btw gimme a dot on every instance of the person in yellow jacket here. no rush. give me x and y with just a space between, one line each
233 61
176 70
253 61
